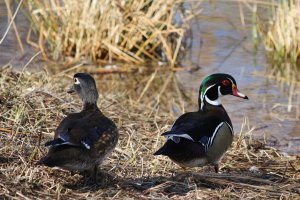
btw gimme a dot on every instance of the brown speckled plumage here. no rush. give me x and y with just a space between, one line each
82 140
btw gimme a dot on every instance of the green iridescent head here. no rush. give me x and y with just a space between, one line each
216 85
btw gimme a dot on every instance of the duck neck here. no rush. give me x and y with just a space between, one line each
210 98
210 104
214 106
90 106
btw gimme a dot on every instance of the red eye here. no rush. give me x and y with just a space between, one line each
225 82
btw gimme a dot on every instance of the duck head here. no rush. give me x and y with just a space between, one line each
85 86
215 86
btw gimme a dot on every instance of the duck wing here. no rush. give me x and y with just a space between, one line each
65 138
80 131
193 128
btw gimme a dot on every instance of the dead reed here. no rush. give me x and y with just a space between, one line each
280 36
32 104
132 31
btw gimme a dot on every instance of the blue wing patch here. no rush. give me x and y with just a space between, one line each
92 137
58 142
55 142
64 139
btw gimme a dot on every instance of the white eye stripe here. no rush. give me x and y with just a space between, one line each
231 80
76 81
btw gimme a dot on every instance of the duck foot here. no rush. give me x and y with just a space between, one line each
95 173
90 176
216 167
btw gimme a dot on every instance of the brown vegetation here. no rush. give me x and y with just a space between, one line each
99 30
280 36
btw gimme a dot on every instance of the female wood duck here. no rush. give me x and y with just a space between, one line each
200 138
82 140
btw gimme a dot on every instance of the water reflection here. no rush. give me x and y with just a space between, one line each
10 50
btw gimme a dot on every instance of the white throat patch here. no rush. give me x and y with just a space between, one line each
216 102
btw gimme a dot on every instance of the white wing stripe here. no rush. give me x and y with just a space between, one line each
231 129
85 145
214 134
186 136
209 142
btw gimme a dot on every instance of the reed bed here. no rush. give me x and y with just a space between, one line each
282 35
281 38
134 31
32 104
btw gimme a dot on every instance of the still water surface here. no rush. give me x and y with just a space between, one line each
220 43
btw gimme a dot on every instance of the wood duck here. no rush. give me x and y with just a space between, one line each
202 137
82 140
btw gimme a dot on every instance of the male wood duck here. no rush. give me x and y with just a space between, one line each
202 137
82 140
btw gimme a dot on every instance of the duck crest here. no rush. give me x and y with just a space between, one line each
215 86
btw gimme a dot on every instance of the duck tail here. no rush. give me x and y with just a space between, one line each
50 161
47 161
161 151
167 149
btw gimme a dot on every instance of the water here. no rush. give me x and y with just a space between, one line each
10 50
220 44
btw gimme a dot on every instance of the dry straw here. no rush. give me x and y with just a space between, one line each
32 104
281 38
103 30
283 34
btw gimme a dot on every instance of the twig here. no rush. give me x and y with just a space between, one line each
11 22
15 27
11 131
25 66
147 85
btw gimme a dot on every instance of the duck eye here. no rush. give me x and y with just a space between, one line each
76 81
225 82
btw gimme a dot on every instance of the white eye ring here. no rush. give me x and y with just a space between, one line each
76 81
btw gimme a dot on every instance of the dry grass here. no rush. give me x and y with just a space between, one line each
132 31
32 104
280 36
